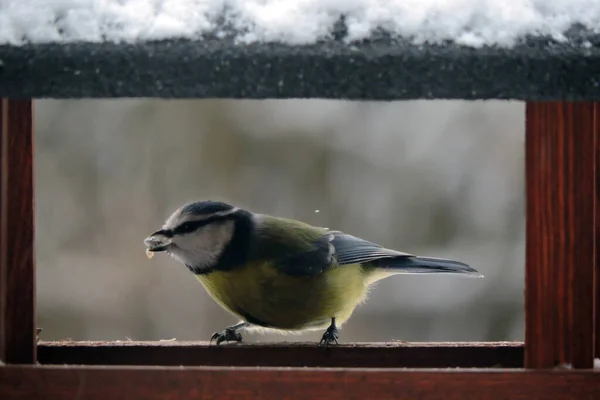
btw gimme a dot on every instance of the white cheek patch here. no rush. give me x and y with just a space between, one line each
177 254
203 247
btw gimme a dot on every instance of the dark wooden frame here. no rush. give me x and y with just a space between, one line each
356 355
17 266
294 383
562 304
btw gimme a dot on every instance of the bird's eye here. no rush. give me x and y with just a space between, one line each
187 227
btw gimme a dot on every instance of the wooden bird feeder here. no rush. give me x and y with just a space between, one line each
560 83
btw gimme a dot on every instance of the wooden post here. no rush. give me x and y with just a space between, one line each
597 233
560 258
17 265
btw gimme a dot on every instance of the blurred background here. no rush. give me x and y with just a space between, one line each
436 178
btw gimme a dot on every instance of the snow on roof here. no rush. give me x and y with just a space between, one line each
468 22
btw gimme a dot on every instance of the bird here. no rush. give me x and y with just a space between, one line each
280 274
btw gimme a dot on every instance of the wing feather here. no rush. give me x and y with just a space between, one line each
299 249
350 249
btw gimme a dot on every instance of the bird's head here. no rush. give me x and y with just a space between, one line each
197 234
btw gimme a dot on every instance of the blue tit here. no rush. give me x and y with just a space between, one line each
281 274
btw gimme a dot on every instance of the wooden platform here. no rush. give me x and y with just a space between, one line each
356 355
562 273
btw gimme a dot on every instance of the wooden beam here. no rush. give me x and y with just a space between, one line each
17 268
597 232
560 181
372 355
35 382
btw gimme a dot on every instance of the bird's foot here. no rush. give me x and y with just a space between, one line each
330 336
227 335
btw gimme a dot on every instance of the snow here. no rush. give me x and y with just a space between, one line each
469 22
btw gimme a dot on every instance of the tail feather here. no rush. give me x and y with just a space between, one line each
427 265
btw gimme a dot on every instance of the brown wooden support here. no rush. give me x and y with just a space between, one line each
17 264
560 259
597 233
148 383
359 355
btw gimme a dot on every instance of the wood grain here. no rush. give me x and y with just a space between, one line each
17 269
30 382
597 232
560 184
371 355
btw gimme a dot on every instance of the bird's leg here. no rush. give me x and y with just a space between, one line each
230 334
331 335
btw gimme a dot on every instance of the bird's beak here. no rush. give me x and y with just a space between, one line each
157 242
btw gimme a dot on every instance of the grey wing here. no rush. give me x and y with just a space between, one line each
345 249
352 250
314 261
349 249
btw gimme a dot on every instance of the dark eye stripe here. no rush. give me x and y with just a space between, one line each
190 226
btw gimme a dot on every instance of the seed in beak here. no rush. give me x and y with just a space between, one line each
149 253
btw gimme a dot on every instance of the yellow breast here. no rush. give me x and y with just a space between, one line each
262 295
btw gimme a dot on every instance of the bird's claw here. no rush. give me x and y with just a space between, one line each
227 335
330 336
